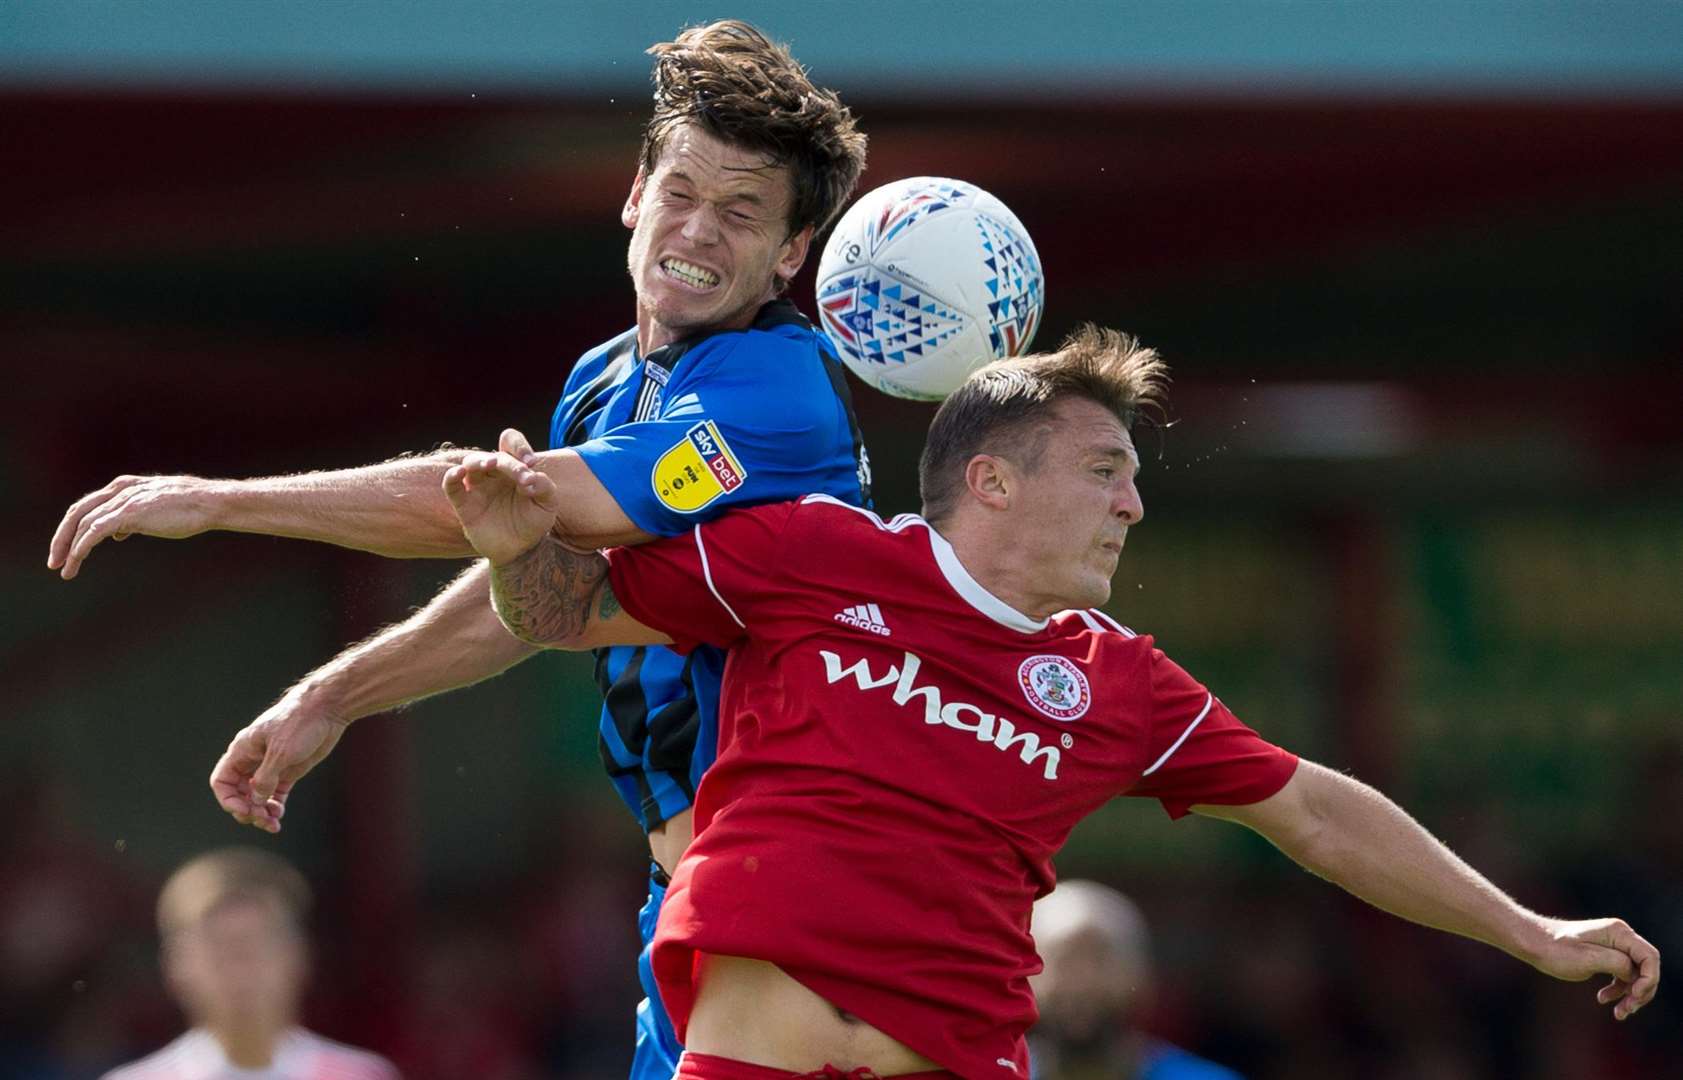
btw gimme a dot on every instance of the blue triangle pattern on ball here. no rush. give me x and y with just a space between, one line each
1017 287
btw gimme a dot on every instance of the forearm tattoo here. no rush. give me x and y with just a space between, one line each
545 596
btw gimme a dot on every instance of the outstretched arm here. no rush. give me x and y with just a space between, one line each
395 508
454 641
392 509
1350 834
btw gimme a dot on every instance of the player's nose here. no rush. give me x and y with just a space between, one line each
701 225
1129 506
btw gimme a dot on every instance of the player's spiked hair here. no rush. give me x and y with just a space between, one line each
998 408
227 875
747 90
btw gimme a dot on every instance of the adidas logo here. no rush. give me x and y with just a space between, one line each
865 617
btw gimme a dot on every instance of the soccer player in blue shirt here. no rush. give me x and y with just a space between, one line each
723 394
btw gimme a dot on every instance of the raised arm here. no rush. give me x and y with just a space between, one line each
454 641
396 508
1355 837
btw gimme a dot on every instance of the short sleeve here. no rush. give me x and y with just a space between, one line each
1200 752
748 418
705 586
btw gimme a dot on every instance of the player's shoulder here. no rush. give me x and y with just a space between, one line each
821 513
1115 649
780 344
587 369
1097 621
830 513
176 1059
593 360
333 1060
609 348
822 539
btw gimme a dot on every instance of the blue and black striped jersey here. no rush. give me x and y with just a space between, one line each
725 419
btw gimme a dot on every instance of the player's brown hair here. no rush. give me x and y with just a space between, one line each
209 882
996 410
747 90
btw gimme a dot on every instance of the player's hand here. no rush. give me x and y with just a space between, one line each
259 768
505 505
173 507
1582 949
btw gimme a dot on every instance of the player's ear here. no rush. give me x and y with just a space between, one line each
990 481
634 201
794 254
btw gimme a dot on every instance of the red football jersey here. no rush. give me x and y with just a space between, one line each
900 755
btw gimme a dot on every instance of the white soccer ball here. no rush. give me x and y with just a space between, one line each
924 281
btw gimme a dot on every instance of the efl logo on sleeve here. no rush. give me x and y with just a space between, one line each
698 470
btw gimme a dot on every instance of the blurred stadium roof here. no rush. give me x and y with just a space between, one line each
430 46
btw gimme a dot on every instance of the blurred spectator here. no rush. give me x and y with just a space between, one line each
236 960
1096 987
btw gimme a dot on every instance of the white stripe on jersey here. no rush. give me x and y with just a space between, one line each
967 587
1092 617
899 522
1208 701
1114 625
687 405
707 572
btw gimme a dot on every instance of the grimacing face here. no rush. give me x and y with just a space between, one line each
1078 503
710 237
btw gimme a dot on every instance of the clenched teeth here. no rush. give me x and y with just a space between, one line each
690 274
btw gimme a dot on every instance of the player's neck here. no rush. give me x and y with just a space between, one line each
653 334
997 565
249 1046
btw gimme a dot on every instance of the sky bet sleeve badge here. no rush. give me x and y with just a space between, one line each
698 470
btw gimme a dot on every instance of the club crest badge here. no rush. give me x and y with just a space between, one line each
1055 686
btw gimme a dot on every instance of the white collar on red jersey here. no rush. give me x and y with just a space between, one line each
972 591
968 588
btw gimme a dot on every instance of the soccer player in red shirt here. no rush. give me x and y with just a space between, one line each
915 714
